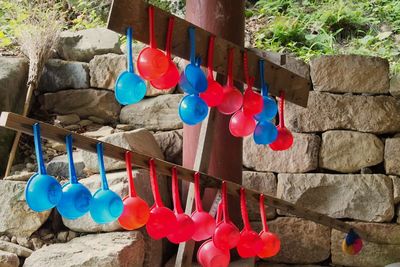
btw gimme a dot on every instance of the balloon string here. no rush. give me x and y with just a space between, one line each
128 163
199 206
169 36
264 89
210 60
38 149
153 43
262 212
225 202
100 159
219 213
154 184
192 45
175 192
71 166
230 66
246 68
243 209
129 49
281 109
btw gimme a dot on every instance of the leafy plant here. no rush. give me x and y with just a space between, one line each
307 28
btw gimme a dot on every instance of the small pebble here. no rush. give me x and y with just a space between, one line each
5 238
14 240
96 120
67 119
30 166
62 236
71 235
125 127
48 236
84 123
72 127
37 243
25 242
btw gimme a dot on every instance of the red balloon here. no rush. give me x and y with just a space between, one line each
226 235
136 212
271 245
171 76
241 125
184 228
252 102
152 63
285 138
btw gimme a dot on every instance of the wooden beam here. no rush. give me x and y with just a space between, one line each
134 13
19 123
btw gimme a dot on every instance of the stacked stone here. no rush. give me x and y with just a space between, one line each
344 163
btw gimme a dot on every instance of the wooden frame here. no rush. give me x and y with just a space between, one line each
134 13
23 124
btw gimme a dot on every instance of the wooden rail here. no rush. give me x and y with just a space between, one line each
23 124
134 13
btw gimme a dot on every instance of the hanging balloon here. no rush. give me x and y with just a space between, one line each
171 77
214 94
232 99
152 63
193 80
270 108
285 138
129 87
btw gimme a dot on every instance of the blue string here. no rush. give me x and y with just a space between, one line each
72 173
129 48
38 149
104 183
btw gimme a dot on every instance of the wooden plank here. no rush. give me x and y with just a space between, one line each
201 163
134 13
19 123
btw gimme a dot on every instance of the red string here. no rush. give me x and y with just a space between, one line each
197 198
281 109
175 192
210 59
153 43
246 68
154 184
169 36
262 212
230 67
128 163
243 209
225 203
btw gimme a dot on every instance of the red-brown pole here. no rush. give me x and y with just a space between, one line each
223 18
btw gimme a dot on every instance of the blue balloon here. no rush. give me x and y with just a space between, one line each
129 87
192 109
193 79
75 200
42 192
269 111
265 133
106 206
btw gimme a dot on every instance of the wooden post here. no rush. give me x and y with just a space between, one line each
224 18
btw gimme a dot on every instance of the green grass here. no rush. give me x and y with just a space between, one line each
326 27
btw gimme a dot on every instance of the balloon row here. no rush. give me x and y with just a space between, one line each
251 112
74 200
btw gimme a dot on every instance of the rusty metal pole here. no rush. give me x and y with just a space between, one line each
223 18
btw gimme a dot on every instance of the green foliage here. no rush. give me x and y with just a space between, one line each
321 27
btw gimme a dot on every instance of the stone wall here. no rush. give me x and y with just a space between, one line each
344 161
